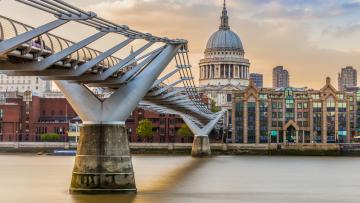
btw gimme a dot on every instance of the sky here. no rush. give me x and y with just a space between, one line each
313 39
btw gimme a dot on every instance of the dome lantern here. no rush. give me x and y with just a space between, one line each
224 38
224 19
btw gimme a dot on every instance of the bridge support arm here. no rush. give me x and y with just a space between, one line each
122 102
84 102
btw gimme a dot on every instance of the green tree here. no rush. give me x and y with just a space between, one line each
214 108
184 131
145 129
49 137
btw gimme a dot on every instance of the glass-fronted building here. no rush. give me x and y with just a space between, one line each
295 115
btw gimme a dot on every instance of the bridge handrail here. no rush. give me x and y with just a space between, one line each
182 60
50 42
63 10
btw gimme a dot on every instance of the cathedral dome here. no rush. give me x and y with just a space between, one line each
224 39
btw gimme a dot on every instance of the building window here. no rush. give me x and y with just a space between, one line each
340 96
317 105
330 102
228 97
299 105
251 120
263 96
315 96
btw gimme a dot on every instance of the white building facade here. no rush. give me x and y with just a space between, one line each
24 83
224 69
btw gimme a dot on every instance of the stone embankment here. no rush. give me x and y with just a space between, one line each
185 148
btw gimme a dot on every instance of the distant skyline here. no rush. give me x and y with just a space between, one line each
312 39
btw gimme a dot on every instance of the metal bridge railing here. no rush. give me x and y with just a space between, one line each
47 44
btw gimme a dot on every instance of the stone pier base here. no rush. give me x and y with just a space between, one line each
103 162
201 146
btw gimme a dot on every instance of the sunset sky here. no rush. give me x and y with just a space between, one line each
311 38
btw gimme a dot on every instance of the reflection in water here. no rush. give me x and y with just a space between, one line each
151 188
179 179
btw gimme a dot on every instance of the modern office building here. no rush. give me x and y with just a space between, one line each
347 78
290 115
257 79
280 77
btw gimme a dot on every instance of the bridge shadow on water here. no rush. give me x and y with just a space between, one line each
152 190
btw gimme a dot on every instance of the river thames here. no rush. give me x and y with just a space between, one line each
37 179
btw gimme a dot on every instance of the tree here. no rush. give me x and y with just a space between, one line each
49 137
145 129
214 108
184 131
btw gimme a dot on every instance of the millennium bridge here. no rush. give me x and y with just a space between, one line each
103 161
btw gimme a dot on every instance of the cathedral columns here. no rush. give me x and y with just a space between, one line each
212 68
217 72
243 71
224 71
246 72
236 71
208 71
240 71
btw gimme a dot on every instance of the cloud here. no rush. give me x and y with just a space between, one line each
273 32
305 9
342 31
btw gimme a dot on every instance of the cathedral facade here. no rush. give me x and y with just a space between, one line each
224 69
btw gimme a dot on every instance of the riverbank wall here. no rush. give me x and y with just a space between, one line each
185 148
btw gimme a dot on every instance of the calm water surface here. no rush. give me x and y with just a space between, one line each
38 179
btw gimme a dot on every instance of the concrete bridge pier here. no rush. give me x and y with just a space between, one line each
201 143
103 163
201 146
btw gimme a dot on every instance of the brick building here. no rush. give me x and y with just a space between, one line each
24 117
166 126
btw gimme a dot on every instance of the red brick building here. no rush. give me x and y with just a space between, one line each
24 117
166 126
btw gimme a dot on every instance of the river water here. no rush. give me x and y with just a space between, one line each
182 179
